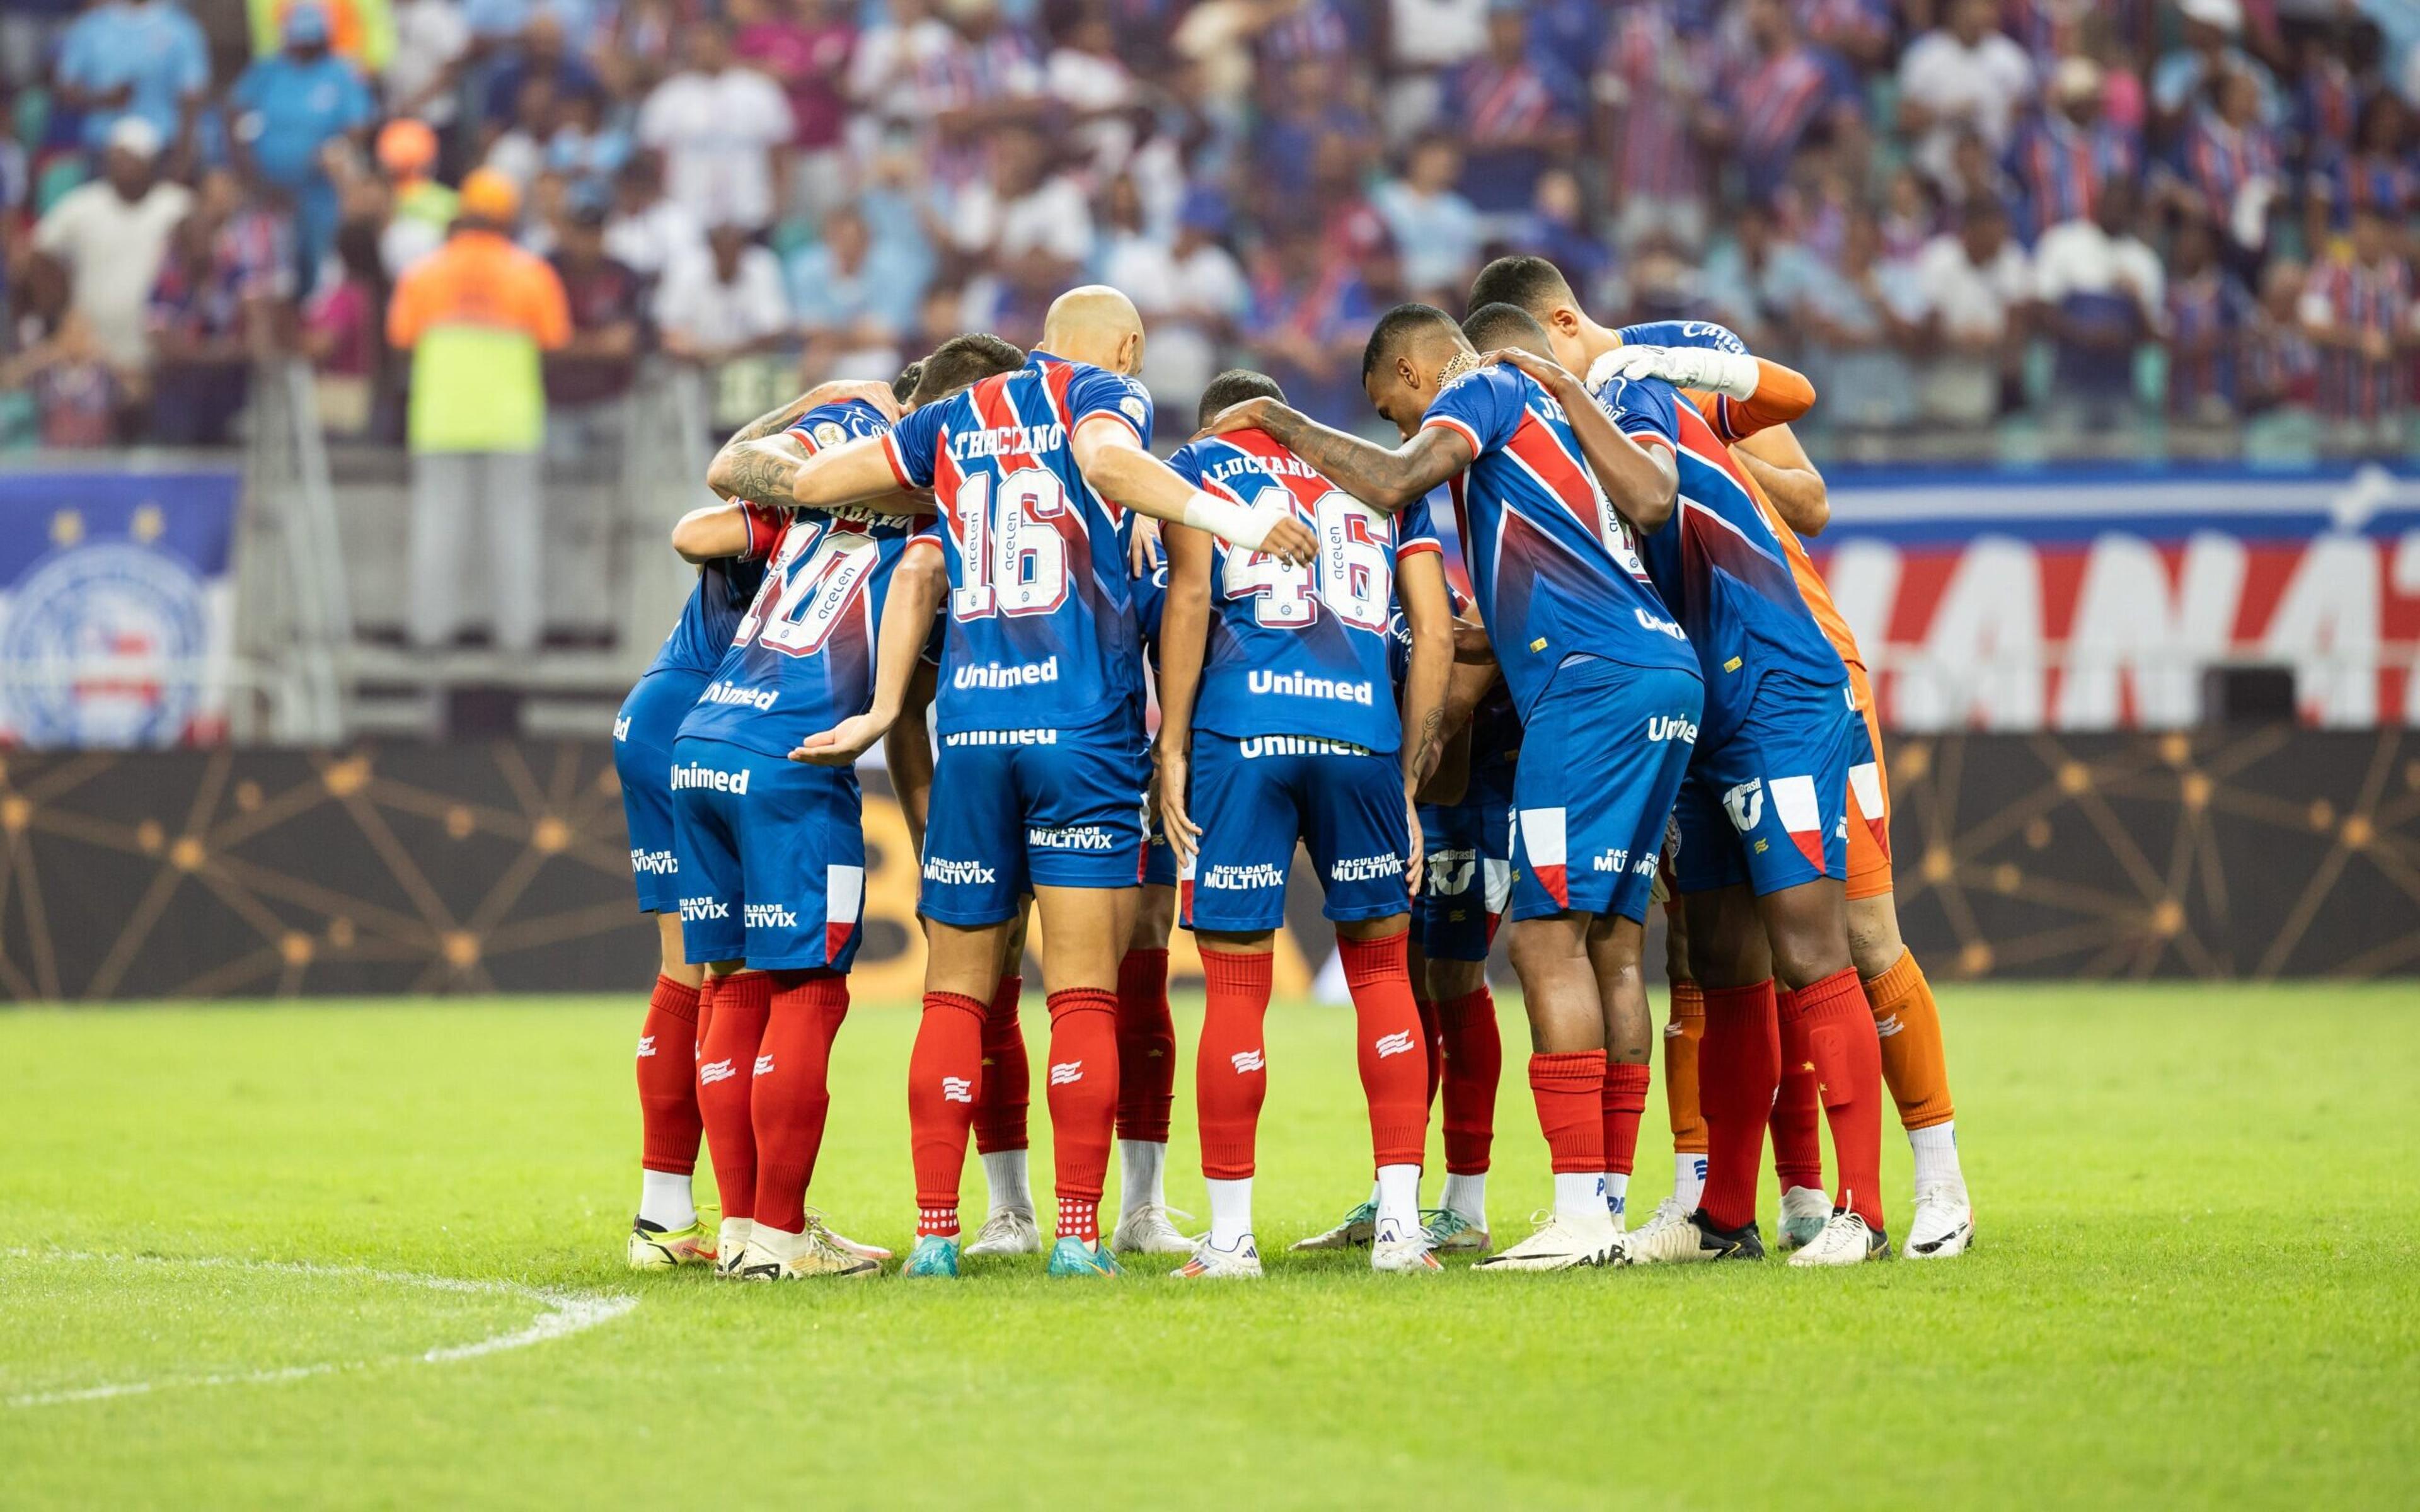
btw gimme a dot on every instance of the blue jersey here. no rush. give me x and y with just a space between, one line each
711 617
1719 565
1150 604
1683 333
802 657
1551 564
1300 650
1495 727
1042 627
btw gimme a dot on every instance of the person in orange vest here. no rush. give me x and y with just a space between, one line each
477 314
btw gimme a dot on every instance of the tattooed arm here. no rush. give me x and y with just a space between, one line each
1387 481
777 472
774 422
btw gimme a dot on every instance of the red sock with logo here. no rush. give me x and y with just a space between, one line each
1432 1038
1083 1104
1797 1115
1146 1047
1007 1081
1231 1065
726 1076
1625 1098
1392 1047
1739 1064
1474 1067
1848 1057
792 1092
944 1079
669 1124
1569 1086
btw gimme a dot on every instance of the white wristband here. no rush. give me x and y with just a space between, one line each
1231 522
1732 375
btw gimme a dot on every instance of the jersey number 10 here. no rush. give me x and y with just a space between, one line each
804 602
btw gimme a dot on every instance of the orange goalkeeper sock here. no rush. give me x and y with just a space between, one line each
1910 1026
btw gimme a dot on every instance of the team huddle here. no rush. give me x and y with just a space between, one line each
1640 690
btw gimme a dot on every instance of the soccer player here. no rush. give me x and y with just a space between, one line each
1603 678
1762 825
775 849
1040 713
1278 722
668 1231
1901 999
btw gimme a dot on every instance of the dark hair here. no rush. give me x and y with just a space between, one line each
1527 283
904 385
1234 387
964 359
1492 326
1395 329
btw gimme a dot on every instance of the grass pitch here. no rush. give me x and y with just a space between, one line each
238 1233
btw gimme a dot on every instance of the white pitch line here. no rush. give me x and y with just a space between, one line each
566 1313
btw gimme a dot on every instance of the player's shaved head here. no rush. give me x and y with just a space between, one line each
961 360
1405 358
1492 326
1094 324
1234 387
1527 283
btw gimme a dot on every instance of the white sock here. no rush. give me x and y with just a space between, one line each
1399 1198
665 1200
1936 1155
1617 1195
1142 1168
1004 1172
1688 1178
1468 1195
1231 1211
1580 1196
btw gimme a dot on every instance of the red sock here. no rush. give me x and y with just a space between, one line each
1432 1038
1391 1045
1007 1082
1146 1047
1739 1064
792 1092
1230 1068
1848 1057
1625 1098
726 1075
1083 1104
1796 1123
1474 1065
944 1079
668 1118
1569 1089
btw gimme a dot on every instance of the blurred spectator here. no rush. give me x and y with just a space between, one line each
1753 283
519 151
1557 229
804 46
1309 317
2102 295
2209 312
1963 76
477 314
725 305
1425 39
586 149
1192 294
720 126
419 209
2230 165
293 110
852 311
604 298
212 311
1512 112
1096 93
647 230
423 74
343 331
1435 226
1649 86
1861 329
1973 287
2281 364
541 54
108 237
2066 151
142 58
1773 93
76 391
2357 310
2210 28
2379 173
1026 224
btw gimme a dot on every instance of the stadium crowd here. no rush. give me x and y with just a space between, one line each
1950 212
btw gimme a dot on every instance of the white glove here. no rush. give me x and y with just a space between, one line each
1733 375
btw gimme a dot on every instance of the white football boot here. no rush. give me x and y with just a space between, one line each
1943 1224
1560 1244
811 1254
1211 1263
1006 1231
731 1244
1805 1211
1675 1236
1147 1230
1845 1240
1402 1249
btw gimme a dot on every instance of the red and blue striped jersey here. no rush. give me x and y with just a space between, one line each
1041 623
802 657
1300 650
1551 565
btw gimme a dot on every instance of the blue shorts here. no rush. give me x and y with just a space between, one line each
1769 806
1603 752
1158 860
772 857
1254 796
1015 809
642 759
1470 868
